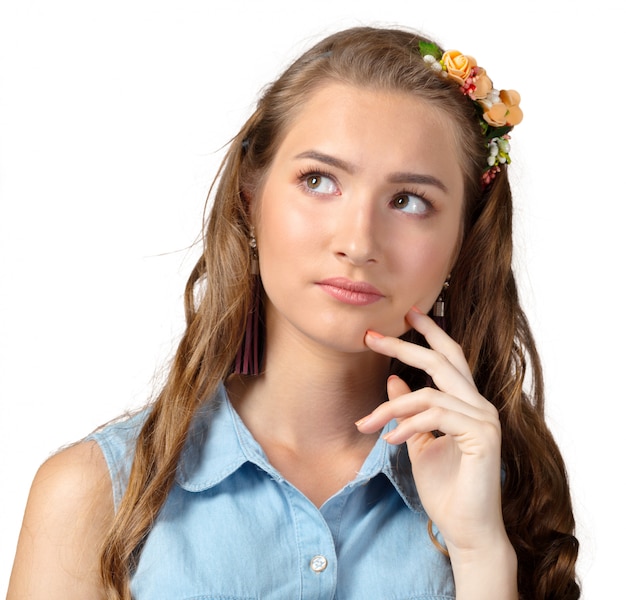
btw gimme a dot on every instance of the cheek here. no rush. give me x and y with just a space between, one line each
287 220
423 269
285 232
429 256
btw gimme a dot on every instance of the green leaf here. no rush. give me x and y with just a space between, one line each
496 132
430 49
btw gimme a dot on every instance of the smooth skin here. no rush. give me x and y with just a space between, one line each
381 201
458 473
69 509
378 200
371 200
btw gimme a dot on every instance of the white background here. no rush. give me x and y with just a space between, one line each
113 116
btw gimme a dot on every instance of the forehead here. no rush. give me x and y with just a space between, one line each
372 127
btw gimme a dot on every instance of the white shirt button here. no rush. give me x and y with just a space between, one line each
318 563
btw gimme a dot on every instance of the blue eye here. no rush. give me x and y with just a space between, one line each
411 203
321 184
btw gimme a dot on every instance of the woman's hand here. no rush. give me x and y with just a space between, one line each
457 474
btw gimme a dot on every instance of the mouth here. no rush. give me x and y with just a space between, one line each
357 293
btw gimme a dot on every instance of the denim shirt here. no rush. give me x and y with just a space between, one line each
232 528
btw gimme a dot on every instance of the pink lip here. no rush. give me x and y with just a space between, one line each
358 293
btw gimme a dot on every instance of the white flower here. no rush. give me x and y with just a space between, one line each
504 145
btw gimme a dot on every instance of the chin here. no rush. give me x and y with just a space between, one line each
392 329
354 341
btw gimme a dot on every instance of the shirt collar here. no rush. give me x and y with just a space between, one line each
219 443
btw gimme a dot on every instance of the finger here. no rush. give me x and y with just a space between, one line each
474 436
444 374
406 405
377 419
439 341
396 387
425 398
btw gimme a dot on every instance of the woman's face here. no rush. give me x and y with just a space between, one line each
358 217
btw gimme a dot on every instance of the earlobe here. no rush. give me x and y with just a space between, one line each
248 193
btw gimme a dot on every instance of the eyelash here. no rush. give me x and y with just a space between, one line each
421 195
304 174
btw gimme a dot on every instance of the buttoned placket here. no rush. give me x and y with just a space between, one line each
316 547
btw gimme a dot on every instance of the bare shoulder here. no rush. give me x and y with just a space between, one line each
78 473
69 509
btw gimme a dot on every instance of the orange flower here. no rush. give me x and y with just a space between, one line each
505 112
458 65
483 85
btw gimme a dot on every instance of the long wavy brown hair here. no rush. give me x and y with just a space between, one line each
484 316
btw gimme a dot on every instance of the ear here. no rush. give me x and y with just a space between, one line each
250 205
252 201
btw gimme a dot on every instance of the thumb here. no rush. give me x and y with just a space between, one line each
396 387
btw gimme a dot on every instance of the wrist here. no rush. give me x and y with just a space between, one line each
488 572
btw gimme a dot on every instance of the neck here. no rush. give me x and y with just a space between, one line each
310 397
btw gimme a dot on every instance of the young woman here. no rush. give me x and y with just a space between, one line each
320 435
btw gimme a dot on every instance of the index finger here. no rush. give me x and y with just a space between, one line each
440 341
444 374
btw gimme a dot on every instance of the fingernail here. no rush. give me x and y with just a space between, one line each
362 421
389 436
374 334
417 310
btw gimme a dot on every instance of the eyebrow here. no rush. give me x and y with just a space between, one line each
399 177
327 159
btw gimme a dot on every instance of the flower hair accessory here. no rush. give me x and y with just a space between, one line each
498 111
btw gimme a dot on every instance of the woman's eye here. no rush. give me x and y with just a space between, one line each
411 203
322 184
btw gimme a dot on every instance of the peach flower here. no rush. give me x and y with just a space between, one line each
458 65
483 84
505 112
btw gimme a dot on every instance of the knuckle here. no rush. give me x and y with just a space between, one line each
427 395
492 412
438 363
456 350
437 412
398 346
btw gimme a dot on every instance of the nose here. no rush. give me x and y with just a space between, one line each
356 233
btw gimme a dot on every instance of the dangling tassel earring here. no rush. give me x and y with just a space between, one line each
439 309
254 253
249 356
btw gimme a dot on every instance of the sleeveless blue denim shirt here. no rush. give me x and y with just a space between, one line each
232 528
